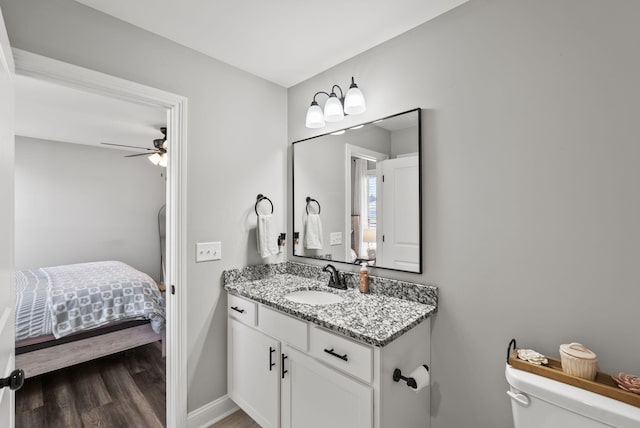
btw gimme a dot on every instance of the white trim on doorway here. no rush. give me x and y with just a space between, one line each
48 69
5 49
350 151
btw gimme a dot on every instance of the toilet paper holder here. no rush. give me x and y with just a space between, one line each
411 382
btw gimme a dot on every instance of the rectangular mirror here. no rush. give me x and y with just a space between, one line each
356 194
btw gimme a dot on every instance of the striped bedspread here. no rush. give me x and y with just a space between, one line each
62 300
32 317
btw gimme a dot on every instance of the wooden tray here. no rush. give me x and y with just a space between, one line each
603 383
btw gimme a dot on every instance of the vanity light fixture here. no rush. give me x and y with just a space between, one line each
336 107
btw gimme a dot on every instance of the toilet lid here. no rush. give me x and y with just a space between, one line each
577 400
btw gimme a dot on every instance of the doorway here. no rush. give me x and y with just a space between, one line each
53 71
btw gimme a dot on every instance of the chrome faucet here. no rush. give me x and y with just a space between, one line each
334 279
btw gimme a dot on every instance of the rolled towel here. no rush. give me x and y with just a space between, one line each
313 233
266 239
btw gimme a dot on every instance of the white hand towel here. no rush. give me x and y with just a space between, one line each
266 239
313 233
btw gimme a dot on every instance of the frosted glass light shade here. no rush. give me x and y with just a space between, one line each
163 160
333 109
354 101
315 117
155 158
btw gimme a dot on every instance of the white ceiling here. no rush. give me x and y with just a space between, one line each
284 41
54 112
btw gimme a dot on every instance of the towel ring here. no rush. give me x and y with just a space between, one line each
309 200
261 198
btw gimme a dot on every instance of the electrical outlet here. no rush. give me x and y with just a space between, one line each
207 251
335 238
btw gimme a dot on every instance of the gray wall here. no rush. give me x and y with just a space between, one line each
320 175
370 137
70 207
223 149
531 198
403 142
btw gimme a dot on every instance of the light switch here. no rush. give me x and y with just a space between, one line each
207 251
335 238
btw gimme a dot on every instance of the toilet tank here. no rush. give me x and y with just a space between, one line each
539 402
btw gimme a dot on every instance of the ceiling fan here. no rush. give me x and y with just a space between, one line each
159 152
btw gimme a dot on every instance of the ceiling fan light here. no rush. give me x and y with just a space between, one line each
155 158
315 117
354 100
163 160
333 109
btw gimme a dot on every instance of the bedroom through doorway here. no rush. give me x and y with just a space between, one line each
90 252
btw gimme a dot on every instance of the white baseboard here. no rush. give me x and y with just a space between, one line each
211 413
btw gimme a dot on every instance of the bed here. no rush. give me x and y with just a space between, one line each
70 314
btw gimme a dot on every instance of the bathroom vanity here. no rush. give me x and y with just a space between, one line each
306 365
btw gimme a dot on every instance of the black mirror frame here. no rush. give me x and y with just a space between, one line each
420 189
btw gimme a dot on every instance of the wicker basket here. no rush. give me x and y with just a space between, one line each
578 361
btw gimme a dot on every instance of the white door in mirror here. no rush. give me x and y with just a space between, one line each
400 244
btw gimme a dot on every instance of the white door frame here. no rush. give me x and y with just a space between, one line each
7 329
48 69
350 151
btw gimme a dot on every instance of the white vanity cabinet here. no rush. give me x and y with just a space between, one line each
253 380
289 373
316 396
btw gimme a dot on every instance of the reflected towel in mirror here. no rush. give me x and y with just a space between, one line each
313 233
266 239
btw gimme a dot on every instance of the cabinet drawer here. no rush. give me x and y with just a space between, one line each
342 353
241 309
283 327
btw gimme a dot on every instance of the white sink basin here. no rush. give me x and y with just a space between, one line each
313 297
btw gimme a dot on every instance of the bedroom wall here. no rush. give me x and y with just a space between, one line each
531 203
70 207
228 161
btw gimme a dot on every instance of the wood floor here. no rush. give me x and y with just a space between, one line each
238 419
125 390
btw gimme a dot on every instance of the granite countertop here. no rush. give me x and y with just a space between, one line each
375 319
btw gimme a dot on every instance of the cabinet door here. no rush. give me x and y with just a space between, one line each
254 373
316 396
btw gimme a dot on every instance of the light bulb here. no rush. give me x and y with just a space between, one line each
354 101
163 160
154 158
333 109
315 117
